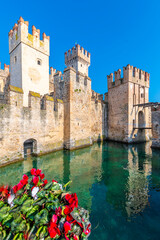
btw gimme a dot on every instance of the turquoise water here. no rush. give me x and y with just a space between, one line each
118 184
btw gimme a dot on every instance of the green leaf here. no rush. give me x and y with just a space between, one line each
52 205
76 216
1 204
7 221
67 184
16 222
32 212
55 187
16 236
27 206
48 238
39 203
4 212
48 185
32 230
42 217
38 232
27 227
20 201
44 232
41 194
9 237
4 234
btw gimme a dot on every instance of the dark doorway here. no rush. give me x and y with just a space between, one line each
141 120
30 147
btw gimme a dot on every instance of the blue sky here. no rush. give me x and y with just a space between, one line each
116 33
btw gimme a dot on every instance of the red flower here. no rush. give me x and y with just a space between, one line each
54 218
38 172
53 230
67 210
35 180
72 200
58 211
67 227
4 191
19 186
25 177
69 218
54 181
15 188
33 171
66 237
42 176
44 182
75 237
24 182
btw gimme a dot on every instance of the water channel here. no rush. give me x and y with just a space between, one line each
119 184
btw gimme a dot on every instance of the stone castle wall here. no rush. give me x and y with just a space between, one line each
53 124
18 124
60 110
128 122
156 127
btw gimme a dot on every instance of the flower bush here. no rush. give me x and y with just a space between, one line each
36 209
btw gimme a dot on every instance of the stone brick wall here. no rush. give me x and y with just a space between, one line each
85 118
156 127
18 124
126 121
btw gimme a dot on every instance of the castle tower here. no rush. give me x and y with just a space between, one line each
128 118
77 99
78 58
29 59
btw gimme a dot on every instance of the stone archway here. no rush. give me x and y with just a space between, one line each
30 147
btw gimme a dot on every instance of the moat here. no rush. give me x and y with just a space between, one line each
119 184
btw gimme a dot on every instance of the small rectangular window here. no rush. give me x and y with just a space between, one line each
85 82
39 62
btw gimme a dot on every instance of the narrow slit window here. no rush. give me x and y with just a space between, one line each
39 62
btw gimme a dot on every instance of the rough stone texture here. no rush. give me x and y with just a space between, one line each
156 127
126 122
18 123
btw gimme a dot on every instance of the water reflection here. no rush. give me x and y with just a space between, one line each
118 183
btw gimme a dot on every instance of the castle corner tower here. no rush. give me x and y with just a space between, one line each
29 59
129 120
78 58
77 99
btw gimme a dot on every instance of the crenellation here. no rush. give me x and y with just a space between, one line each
78 58
130 74
20 33
52 71
60 109
4 80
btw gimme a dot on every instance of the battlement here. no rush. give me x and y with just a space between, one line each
77 52
19 33
130 74
5 70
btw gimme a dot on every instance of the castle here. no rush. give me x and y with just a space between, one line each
41 112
